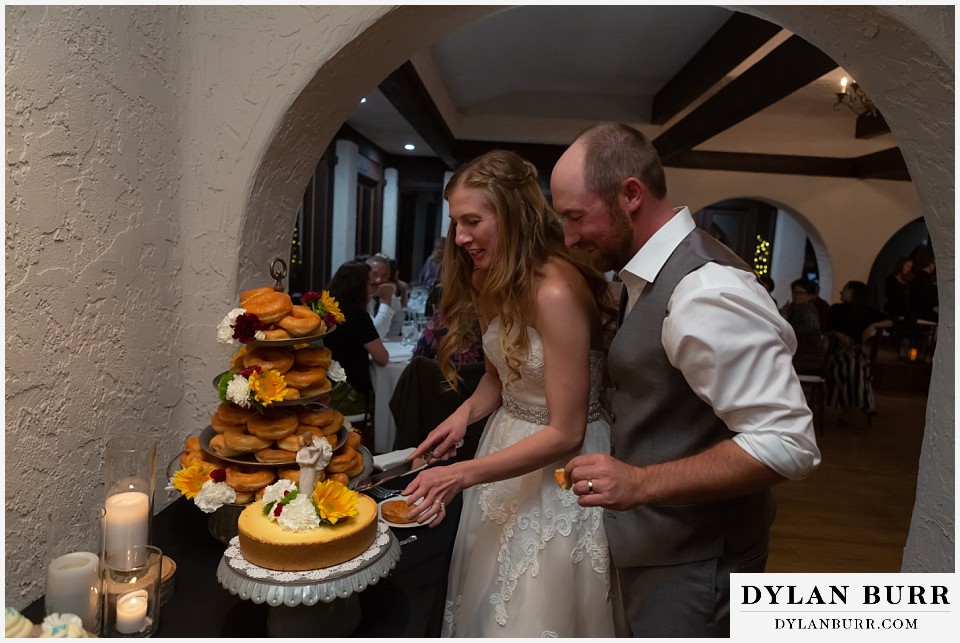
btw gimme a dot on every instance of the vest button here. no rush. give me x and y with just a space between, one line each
613 417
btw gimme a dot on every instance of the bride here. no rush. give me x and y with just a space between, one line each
528 560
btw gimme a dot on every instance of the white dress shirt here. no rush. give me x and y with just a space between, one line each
723 332
384 315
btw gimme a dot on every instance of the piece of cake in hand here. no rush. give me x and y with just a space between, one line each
563 480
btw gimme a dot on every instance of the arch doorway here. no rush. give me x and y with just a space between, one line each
915 93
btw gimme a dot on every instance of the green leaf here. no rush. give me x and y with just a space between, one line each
268 507
225 380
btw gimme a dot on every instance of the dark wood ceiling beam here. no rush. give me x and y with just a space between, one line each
784 70
733 43
404 89
886 164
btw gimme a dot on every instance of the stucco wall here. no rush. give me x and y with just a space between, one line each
94 302
155 157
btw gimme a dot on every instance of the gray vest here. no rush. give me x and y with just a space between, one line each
658 418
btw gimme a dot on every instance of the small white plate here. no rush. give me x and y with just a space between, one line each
397 525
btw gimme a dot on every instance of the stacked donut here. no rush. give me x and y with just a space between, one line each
273 437
303 369
281 319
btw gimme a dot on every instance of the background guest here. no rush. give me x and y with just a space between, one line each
430 272
923 291
896 288
355 342
384 307
800 310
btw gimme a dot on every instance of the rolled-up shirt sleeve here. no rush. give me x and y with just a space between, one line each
725 335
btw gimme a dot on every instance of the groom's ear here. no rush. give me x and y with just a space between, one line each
632 191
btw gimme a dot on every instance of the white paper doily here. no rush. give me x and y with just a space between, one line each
251 582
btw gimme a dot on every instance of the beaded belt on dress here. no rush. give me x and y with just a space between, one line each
538 414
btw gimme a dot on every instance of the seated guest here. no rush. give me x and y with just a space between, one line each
429 343
354 342
800 310
384 308
851 323
430 272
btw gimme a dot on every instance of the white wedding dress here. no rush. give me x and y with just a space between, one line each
528 560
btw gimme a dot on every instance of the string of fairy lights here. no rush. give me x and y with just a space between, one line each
761 257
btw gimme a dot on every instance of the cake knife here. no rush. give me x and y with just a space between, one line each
392 473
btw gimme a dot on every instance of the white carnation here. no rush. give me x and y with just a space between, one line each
259 336
214 495
276 491
238 391
225 327
299 515
336 372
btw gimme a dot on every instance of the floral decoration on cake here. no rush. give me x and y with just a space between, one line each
205 484
325 305
239 326
329 503
61 626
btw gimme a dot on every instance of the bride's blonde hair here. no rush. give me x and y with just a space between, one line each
528 233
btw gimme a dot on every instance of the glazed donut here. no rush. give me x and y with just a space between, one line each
291 393
317 356
220 425
273 426
354 439
276 333
344 461
189 457
192 443
250 480
275 456
219 446
232 413
322 387
317 414
293 473
243 442
247 294
305 378
268 305
291 442
269 359
300 322
243 497
342 478
357 467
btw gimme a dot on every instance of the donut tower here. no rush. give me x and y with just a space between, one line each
274 393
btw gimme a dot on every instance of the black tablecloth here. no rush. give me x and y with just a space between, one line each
407 603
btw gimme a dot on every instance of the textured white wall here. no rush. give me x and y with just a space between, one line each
155 160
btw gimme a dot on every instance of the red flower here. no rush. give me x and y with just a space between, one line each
277 509
218 475
245 327
250 370
330 320
308 298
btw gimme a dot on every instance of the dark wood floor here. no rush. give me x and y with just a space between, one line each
853 513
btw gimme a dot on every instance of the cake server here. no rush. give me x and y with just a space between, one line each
392 473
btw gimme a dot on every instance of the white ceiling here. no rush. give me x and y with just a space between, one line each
540 74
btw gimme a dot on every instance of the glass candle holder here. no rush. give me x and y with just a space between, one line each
129 471
73 565
131 591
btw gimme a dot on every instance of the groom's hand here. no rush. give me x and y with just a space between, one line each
603 481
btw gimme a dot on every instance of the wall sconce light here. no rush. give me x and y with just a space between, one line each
855 98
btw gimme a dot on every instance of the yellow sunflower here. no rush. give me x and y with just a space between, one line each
331 306
268 387
189 480
334 501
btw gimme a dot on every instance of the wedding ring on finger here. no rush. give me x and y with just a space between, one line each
458 444
589 486
440 502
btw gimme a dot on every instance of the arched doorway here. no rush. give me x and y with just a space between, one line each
915 93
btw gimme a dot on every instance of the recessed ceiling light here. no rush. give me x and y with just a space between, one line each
363 100
410 147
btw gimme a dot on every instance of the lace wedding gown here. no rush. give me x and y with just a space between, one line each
528 560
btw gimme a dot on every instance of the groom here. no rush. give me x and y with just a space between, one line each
707 411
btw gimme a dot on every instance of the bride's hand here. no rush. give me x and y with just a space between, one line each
442 443
429 493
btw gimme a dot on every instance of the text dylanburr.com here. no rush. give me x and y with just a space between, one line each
851 607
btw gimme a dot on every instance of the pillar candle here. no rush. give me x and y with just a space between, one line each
132 612
73 586
126 521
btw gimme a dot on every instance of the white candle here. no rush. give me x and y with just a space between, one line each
73 586
126 522
132 612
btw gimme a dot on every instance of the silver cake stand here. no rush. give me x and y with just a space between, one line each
315 603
